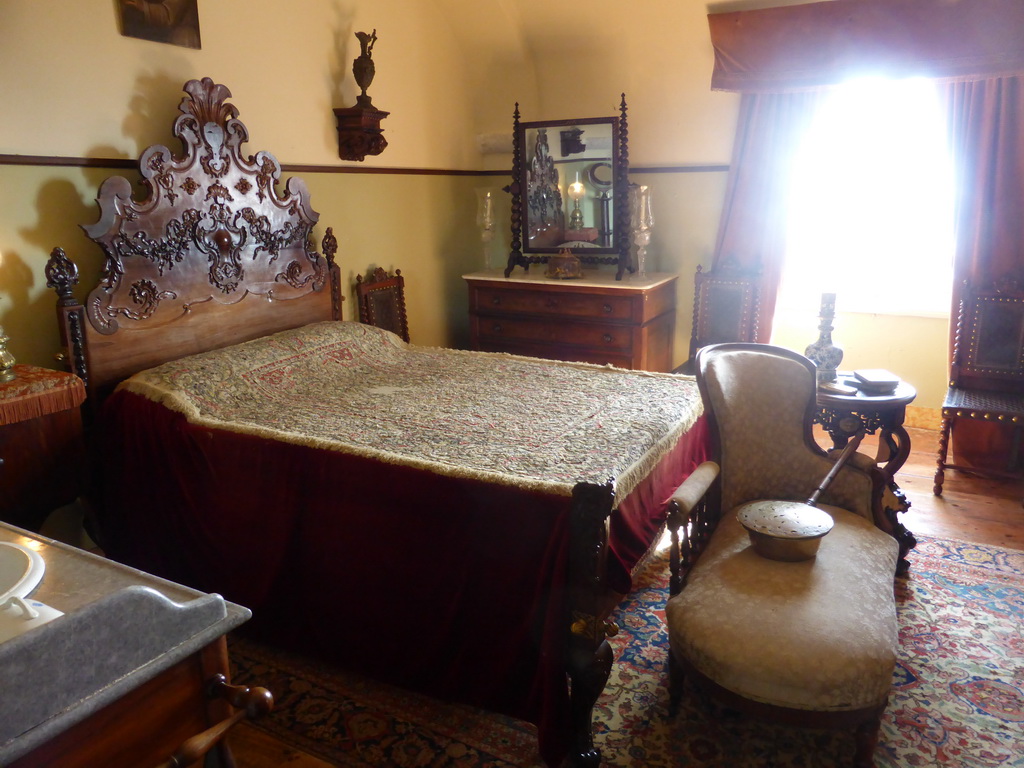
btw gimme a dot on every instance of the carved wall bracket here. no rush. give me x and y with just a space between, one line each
359 131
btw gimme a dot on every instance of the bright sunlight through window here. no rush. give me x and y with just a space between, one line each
871 208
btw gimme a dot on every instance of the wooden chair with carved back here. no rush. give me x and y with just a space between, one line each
986 376
725 308
381 299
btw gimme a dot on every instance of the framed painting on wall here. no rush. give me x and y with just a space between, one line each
162 21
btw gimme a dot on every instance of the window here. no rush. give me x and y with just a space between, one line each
871 206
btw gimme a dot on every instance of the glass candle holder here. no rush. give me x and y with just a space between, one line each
485 221
642 219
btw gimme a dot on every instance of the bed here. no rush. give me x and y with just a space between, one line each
402 510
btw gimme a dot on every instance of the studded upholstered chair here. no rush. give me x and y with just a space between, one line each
381 301
726 306
810 643
986 377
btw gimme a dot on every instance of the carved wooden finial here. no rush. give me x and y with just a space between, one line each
329 244
62 276
207 103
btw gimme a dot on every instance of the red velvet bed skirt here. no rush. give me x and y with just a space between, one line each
452 587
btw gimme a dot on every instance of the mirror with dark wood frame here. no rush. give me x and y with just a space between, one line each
570 190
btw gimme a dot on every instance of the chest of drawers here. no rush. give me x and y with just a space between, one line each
596 319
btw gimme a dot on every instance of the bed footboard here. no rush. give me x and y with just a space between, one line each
589 657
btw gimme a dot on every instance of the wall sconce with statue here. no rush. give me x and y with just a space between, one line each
359 131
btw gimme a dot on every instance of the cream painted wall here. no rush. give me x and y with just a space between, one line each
660 55
914 348
657 53
415 223
41 208
449 71
72 86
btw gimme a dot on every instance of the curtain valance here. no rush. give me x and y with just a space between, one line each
807 46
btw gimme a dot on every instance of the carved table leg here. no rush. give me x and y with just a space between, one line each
894 504
893 449
897 442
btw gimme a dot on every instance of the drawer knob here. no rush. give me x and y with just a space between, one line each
607 338
496 327
551 304
607 309
496 300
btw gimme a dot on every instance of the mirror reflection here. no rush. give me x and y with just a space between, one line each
569 185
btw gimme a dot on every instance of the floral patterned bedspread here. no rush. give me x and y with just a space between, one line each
354 388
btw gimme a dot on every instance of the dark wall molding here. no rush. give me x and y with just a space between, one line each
712 168
133 164
68 162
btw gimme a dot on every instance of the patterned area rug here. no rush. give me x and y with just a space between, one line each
957 700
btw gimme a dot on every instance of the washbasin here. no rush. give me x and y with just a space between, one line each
21 570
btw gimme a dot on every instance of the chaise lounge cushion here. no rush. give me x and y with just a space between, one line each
824 630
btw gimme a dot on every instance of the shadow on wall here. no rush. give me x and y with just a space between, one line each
16 278
30 318
152 110
344 89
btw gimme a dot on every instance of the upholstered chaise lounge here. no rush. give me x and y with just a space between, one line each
807 643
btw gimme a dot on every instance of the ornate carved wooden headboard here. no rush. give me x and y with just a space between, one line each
212 256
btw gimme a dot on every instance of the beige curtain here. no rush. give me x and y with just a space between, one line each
781 59
751 233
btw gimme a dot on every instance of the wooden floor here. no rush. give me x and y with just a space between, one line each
971 509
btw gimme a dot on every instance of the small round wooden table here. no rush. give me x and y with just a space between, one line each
843 415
